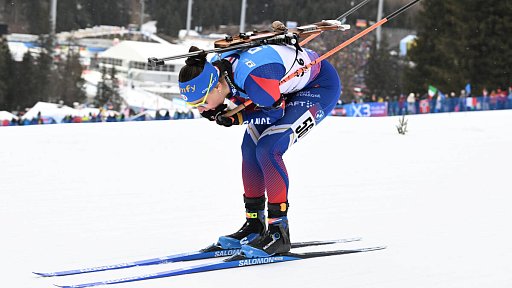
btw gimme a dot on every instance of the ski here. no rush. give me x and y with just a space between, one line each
234 261
212 251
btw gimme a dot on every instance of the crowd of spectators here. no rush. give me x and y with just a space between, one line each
415 103
94 118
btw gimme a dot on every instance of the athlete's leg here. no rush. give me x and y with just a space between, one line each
306 109
252 174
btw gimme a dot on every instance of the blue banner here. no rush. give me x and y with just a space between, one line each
372 109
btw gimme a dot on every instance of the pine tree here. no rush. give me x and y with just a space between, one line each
42 72
115 97
23 87
462 42
488 47
430 61
170 15
6 71
37 14
70 87
107 95
381 75
69 17
102 12
102 96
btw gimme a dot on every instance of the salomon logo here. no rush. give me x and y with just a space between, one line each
257 261
225 253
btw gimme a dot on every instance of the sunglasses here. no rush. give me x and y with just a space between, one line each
203 101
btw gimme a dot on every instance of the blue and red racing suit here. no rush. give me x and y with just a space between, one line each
274 125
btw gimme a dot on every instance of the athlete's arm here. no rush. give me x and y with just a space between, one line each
262 87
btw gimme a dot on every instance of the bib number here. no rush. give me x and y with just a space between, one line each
303 125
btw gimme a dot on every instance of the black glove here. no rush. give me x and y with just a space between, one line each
211 114
227 121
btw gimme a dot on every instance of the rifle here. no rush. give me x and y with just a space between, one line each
279 35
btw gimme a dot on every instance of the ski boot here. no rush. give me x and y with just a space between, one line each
253 228
276 239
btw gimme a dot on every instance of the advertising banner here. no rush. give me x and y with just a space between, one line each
373 109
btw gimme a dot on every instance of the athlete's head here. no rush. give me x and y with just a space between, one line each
201 84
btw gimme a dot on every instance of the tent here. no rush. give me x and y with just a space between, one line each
49 110
140 100
57 112
4 115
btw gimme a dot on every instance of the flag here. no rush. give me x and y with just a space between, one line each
432 90
441 95
468 89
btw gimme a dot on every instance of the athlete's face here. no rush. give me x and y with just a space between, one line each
215 97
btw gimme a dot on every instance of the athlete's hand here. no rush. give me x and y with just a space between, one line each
212 113
228 121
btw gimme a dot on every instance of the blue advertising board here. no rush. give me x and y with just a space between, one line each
373 109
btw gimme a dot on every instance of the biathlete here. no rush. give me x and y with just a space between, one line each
279 116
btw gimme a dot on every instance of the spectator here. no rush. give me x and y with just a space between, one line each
462 100
509 98
411 101
158 116
417 103
452 102
388 100
39 118
394 105
167 116
439 103
485 100
493 100
401 105
502 99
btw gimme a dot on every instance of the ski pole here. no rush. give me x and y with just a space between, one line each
299 71
354 9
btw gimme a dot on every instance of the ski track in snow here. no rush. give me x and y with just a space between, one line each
79 195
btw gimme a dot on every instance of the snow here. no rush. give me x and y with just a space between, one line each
439 197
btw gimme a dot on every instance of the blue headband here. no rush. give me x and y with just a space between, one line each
197 88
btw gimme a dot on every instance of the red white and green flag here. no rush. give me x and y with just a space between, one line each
432 91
